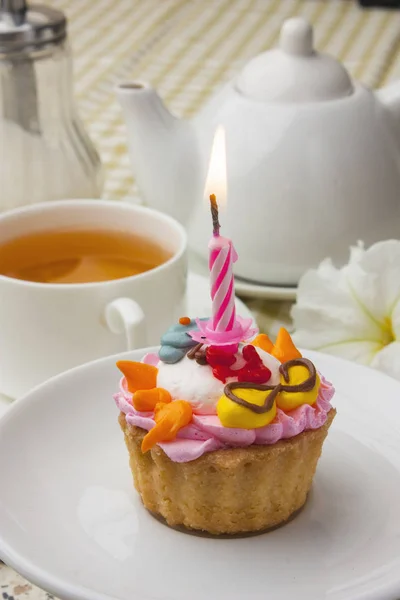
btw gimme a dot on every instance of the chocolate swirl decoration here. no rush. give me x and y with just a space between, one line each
196 353
305 386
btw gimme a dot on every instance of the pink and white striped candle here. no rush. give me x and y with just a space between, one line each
224 328
222 257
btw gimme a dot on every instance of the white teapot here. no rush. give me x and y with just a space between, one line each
313 159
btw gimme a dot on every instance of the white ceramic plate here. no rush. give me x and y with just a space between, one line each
198 302
71 522
247 289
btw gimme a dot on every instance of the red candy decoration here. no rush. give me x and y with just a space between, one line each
250 354
261 375
254 371
217 356
222 373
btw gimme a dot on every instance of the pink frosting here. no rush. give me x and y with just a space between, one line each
206 433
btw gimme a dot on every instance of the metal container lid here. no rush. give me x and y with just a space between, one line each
23 26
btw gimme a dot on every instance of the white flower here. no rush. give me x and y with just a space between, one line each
354 311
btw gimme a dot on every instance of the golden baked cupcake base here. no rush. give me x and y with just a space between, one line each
243 534
230 491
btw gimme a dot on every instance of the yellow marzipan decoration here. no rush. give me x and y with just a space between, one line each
232 414
288 401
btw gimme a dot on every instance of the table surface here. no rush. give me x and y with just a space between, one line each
186 49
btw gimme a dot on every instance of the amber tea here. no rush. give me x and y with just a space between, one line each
78 256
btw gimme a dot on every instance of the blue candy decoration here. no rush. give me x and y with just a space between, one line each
170 355
176 342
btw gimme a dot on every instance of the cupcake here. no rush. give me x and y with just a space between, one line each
224 428
223 438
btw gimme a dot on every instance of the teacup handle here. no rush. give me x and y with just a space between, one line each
124 315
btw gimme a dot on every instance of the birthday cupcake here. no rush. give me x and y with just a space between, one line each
224 428
223 440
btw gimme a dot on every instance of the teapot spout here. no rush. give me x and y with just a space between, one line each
390 97
162 149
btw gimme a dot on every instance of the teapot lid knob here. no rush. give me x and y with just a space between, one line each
294 72
297 37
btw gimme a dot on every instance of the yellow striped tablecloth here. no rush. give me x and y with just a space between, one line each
187 48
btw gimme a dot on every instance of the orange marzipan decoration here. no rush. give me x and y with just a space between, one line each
139 376
145 400
262 341
169 418
284 348
184 321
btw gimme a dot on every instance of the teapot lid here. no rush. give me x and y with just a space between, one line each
294 72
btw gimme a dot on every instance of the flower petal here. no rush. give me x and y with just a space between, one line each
388 360
361 352
327 312
374 277
394 319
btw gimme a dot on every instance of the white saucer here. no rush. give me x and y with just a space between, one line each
198 303
72 523
248 289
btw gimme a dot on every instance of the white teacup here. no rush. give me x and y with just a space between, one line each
46 328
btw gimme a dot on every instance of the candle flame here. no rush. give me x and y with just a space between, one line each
216 178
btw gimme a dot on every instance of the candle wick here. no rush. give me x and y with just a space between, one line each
214 214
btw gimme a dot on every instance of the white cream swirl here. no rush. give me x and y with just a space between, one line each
187 380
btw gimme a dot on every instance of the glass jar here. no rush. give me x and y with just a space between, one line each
45 152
